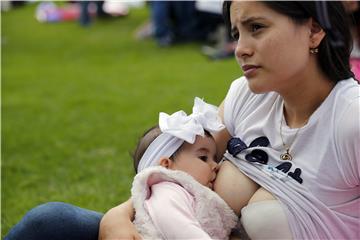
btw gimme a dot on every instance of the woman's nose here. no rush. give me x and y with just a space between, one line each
243 49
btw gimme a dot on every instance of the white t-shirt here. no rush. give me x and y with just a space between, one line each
319 188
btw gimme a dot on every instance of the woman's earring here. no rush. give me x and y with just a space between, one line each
314 50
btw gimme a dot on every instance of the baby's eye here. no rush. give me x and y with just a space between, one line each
203 158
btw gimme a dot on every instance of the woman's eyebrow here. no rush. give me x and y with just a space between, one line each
251 19
246 21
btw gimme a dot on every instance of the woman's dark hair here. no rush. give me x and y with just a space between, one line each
335 48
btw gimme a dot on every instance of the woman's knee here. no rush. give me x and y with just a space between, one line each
57 220
50 214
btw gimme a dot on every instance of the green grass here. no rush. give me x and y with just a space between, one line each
75 100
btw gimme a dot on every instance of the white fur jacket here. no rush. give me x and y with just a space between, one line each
215 217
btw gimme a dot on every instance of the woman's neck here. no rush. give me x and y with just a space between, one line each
304 97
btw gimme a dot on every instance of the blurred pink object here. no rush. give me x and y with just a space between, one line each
50 12
355 67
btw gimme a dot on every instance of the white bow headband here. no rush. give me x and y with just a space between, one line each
179 127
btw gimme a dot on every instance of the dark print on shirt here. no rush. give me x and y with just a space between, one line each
235 146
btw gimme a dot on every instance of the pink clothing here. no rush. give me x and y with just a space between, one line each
355 67
178 221
172 205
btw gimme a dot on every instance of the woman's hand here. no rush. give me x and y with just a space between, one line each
117 223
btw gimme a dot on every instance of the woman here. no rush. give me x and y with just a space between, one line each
294 118
305 111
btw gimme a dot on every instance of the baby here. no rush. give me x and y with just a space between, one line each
176 167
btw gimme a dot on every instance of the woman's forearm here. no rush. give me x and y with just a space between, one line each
117 223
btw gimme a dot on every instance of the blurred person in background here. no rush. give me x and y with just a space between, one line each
8 5
103 9
85 17
173 22
223 45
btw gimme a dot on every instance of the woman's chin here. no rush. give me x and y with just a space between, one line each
256 87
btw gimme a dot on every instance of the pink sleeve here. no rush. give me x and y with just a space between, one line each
171 209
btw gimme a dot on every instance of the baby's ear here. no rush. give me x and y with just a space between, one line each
166 162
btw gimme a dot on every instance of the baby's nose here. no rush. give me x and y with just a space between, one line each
215 167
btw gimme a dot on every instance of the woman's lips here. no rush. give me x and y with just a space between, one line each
249 70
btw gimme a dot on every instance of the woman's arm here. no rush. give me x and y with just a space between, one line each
221 138
117 223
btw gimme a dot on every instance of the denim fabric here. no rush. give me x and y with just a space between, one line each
160 14
85 18
179 21
57 221
174 20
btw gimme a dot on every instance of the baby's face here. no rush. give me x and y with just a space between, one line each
198 160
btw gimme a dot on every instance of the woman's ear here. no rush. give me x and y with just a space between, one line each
317 34
166 163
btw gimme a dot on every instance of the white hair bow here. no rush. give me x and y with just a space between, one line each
204 117
179 127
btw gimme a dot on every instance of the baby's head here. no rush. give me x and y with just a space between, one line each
182 142
197 159
146 139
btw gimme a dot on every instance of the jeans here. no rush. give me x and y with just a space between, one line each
174 20
57 221
85 18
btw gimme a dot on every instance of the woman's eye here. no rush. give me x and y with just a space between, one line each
255 27
203 158
235 35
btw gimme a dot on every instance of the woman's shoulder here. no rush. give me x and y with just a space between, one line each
240 102
347 90
345 106
345 97
240 95
239 85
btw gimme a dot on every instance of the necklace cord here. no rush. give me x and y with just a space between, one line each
287 155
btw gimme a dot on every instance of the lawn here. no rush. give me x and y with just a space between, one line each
75 100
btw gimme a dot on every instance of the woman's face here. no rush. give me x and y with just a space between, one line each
271 49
